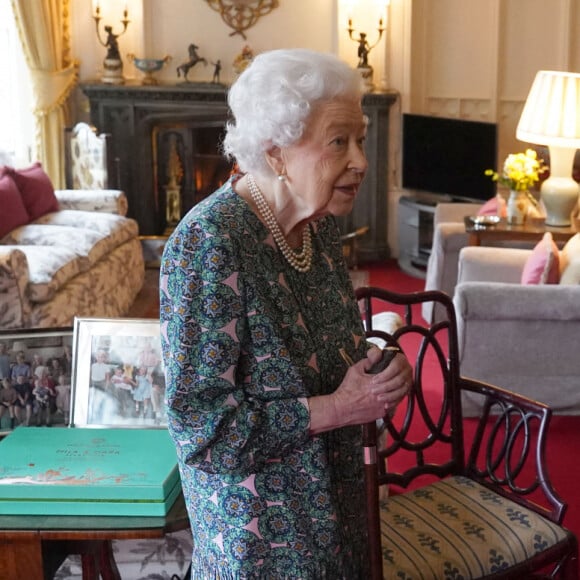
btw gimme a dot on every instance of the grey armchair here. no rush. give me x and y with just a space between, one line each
448 238
523 338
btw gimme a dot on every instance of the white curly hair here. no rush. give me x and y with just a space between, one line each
273 97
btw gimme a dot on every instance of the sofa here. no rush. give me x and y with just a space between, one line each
517 333
64 253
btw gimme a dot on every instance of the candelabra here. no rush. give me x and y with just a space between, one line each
364 49
112 64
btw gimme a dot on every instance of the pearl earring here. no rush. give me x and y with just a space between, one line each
282 177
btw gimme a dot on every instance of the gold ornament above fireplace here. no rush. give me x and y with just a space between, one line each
242 14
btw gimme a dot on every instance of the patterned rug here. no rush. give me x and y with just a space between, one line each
166 559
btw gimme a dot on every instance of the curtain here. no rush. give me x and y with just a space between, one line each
44 28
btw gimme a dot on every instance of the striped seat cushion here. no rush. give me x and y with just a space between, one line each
456 528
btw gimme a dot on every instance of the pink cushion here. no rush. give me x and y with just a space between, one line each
36 190
490 207
543 265
12 211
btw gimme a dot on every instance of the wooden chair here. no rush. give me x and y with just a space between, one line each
89 163
468 498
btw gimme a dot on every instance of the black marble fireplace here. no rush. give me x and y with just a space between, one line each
166 138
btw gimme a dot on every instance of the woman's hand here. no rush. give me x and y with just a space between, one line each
362 397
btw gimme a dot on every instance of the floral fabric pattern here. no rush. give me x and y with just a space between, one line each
14 306
49 269
440 516
71 263
246 341
100 200
106 290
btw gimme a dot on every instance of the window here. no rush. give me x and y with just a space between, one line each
16 116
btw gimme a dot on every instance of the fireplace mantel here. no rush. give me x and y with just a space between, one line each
130 112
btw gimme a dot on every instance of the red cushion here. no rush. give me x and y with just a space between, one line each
543 265
36 190
12 211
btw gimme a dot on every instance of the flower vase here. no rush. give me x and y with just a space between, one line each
517 207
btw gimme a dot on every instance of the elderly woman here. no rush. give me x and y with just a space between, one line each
256 309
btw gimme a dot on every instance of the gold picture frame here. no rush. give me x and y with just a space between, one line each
118 374
242 14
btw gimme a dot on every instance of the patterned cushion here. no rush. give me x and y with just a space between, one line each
106 290
106 200
49 269
115 229
85 243
457 528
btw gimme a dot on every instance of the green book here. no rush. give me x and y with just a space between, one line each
54 471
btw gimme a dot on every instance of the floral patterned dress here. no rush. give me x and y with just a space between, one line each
246 340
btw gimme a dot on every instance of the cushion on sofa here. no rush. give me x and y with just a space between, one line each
571 275
49 269
116 229
36 190
569 252
12 211
84 243
543 264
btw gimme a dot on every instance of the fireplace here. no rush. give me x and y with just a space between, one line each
187 167
166 138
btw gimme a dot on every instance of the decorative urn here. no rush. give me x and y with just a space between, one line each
148 66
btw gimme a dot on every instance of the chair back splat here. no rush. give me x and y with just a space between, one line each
467 498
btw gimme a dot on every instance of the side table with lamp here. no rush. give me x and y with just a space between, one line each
550 117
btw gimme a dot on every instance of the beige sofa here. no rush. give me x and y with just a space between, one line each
521 337
83 260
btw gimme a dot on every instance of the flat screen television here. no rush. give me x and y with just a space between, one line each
448 156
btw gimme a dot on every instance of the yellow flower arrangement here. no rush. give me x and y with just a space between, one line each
520 170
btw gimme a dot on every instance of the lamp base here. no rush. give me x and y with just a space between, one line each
113 71
366 73
560 197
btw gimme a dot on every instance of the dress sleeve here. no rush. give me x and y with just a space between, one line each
218 423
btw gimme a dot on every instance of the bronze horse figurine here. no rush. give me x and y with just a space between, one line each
194 58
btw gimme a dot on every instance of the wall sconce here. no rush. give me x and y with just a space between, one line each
551 117
112 64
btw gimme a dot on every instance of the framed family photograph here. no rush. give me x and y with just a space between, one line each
37 363
118 374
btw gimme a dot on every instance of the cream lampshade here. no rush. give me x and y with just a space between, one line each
551 117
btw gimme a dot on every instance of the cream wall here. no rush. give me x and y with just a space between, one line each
454 58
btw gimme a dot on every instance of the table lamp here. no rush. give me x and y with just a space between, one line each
551 117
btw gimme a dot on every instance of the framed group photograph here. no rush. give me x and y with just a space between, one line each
118 374
31 355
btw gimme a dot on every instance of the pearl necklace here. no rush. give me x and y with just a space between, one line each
299 260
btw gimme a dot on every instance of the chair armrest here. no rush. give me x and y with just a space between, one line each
486 264
15 306
508 449
101 200
511 302
454 212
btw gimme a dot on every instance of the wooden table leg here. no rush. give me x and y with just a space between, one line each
109 570
21 556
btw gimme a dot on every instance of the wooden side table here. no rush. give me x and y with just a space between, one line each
34 546
484 234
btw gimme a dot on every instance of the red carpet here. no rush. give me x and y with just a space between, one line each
564 436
